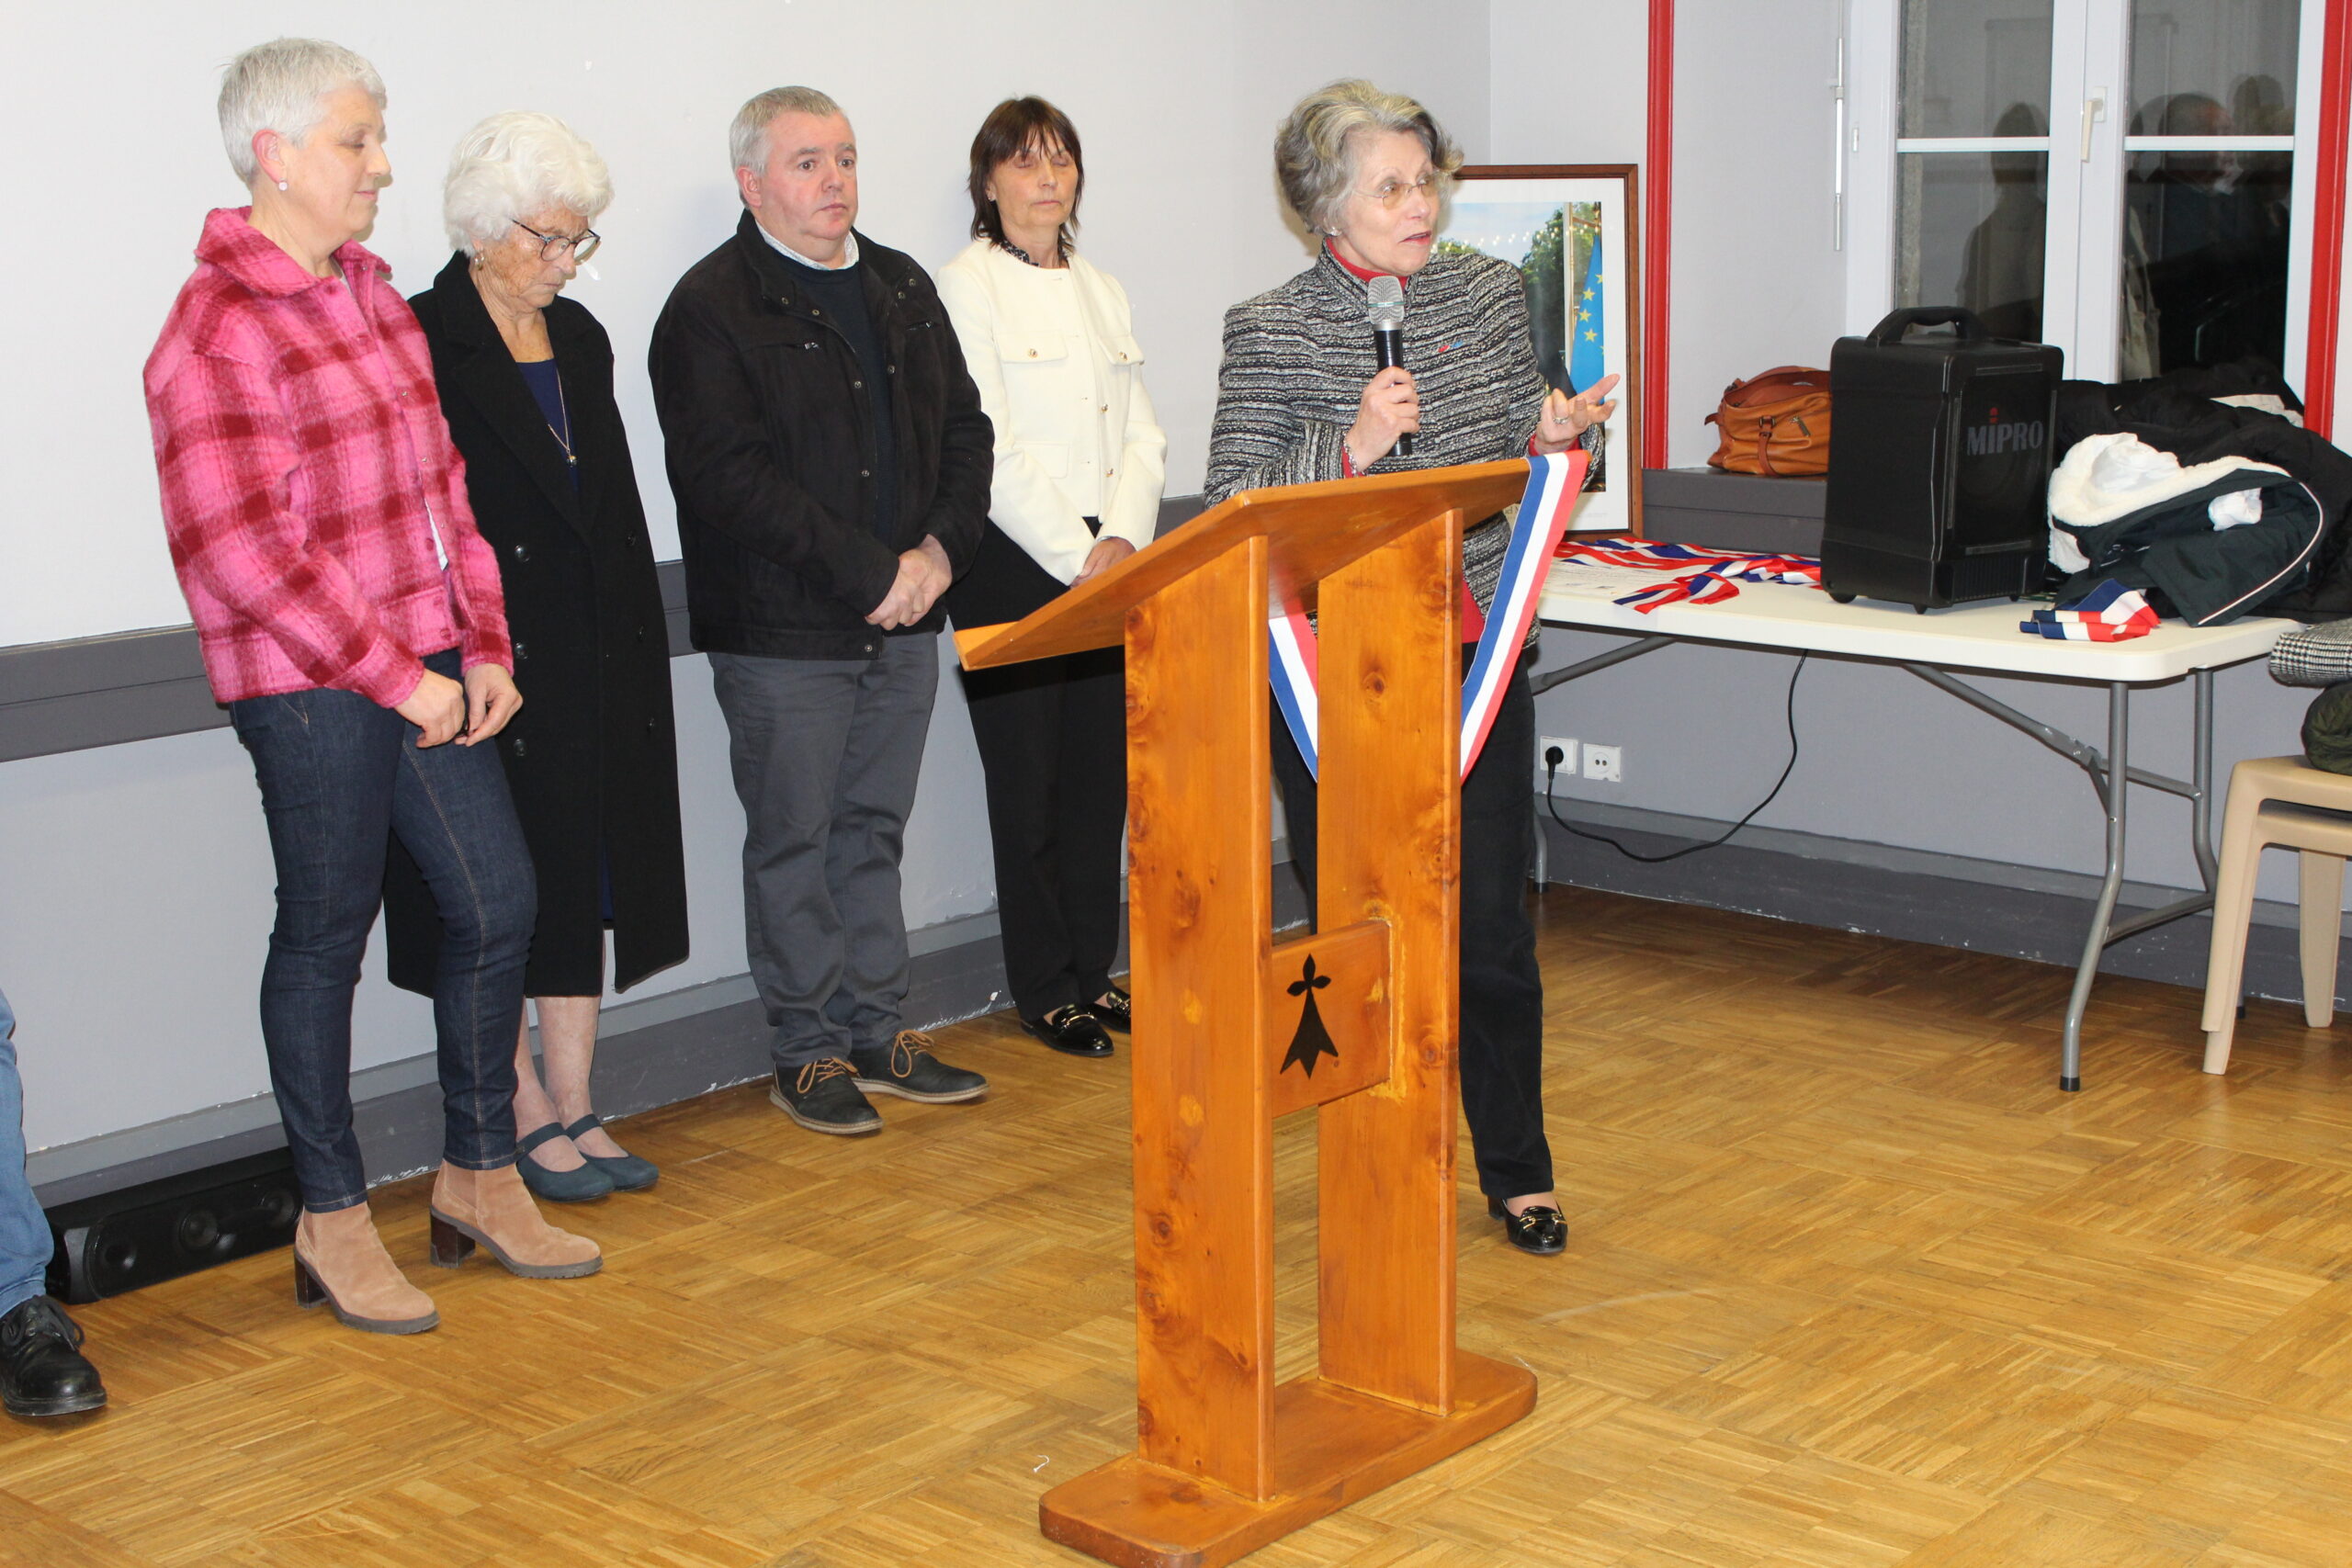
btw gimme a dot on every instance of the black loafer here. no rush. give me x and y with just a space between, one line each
822 1097
1538 1228
1072 1030
907 1068
42 1370
1114 1009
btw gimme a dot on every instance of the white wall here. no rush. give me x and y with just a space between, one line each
137 877
1177 104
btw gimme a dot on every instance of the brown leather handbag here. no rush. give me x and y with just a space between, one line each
1774 423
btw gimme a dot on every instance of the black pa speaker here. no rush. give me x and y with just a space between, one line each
1940 463
159 1230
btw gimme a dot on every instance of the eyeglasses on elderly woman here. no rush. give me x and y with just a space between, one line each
581 246
1391 192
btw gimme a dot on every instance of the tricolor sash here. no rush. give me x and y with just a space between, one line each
1552 483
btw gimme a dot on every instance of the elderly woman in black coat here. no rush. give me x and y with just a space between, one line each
527 382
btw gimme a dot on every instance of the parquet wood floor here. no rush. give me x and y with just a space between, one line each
1852 1285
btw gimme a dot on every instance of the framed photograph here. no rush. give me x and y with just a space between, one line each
1569 228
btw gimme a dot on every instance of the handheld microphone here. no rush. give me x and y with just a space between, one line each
1384 309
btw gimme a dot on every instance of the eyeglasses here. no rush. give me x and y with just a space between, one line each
1391 193
581 246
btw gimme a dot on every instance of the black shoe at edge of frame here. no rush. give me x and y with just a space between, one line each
42 1370
1114 1009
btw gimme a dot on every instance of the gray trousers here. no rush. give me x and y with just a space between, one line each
825 754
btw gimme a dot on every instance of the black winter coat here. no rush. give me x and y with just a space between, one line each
770 446
592 758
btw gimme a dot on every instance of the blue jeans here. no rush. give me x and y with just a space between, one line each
339 776
23 1235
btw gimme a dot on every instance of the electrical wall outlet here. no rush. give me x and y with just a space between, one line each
1606 763
1543 747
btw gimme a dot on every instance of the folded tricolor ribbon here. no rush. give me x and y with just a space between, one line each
1713 575
2108 613
1552 482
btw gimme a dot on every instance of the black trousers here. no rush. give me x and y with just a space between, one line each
1502 990
1052 743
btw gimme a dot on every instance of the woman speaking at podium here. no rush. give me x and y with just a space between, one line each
1301 398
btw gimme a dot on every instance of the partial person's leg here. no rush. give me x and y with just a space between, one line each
535 1109
24 1242
453 814
568 1055
873 792
1016 725
1502 988
42 1370
1298 787
1092 790
326 762
787 723
553 1165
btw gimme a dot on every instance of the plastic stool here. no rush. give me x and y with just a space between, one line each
2285 803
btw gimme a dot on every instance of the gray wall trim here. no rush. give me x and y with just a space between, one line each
1912 895
687 1042
106 691
654 1052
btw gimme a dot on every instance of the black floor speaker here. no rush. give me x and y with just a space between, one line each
159 1230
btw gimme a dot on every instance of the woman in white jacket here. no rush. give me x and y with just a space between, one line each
1080 461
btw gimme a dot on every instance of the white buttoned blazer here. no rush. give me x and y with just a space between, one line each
1075 432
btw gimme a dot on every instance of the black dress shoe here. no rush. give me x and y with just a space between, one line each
42 1370
822 1097
1072 1030
1114 1009
1538 1228
907 1068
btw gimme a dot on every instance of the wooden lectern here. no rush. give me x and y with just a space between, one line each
1232 1030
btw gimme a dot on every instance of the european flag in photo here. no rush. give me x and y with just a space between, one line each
1588 339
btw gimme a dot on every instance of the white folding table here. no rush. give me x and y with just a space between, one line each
1981 638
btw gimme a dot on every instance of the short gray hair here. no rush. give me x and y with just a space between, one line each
1314 150
747 138
514 166
282 85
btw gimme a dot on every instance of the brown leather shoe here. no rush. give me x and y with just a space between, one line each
340 1259
494 1208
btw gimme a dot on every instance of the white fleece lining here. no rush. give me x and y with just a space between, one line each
2081 501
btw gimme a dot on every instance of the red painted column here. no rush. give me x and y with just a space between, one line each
1657 242
2327 220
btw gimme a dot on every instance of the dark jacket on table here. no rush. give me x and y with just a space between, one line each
2177 413
771 444
592 758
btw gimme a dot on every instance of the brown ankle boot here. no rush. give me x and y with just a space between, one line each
494 1208
339 1259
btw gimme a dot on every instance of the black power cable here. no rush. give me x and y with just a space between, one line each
1552 772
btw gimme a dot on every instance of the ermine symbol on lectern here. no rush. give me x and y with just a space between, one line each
1312 1040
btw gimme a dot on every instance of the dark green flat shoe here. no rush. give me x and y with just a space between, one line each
584 1185
625 1172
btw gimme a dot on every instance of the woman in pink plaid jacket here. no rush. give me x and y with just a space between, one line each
351 620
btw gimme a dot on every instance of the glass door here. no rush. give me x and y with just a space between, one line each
2119 177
